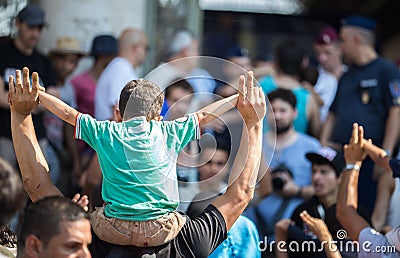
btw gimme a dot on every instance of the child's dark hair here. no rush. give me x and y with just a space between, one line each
283 94
178 83
140 98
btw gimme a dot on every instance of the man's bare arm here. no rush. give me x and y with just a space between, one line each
251 105
32 163
378 155
392 129
346 207
58 107
216 109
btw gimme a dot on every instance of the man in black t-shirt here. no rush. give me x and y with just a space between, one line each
198 237
327 165
15 54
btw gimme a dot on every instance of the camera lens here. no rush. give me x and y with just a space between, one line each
278 183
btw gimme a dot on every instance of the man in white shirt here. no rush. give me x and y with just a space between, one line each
329 56
132 50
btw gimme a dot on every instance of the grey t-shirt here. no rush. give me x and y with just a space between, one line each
374 244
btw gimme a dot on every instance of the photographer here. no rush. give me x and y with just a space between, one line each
288 181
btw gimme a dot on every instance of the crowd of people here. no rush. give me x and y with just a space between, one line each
182 164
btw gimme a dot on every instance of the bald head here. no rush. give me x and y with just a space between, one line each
132 45
130 37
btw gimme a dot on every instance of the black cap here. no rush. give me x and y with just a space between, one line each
32 15
329 156
104 45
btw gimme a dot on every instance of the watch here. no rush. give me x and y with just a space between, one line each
353 167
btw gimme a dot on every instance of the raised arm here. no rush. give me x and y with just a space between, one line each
32 163
216 109
58 107
346 207
242 180
319 228
378 155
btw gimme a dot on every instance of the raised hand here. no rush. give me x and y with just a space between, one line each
82 201
317 226
22 98
251 102
353 152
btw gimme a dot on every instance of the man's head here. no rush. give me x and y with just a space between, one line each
182 44
133 45
327 164
327 49
213 164
284 110
356 32
65 56
30 22
12 195
54 227
239 56
140 98
178 96
288 57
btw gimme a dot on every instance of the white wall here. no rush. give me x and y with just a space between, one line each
85 19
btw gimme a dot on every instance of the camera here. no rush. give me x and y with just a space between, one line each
279 182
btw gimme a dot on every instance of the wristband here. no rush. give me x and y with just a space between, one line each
353 167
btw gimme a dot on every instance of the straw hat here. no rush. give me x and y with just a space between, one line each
67 45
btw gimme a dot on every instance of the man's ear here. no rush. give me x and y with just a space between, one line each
117 115
33 246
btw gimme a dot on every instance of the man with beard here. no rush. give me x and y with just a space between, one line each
288 183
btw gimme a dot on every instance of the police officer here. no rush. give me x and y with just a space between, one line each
369 94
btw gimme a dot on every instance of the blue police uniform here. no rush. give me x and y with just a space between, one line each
365 94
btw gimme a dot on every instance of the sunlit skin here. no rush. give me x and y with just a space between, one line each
212 163
28 37
178 102
64 65
328 56
72 242
347 43
283 112
325 182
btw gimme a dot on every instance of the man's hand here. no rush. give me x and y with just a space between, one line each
22 98
317 226
251 102
353 152
82 201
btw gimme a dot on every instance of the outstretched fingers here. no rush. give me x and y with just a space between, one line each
11 88
250 86
18 86
35 82
360 135
354 134
242 88
26 82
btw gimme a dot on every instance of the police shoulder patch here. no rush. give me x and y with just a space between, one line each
394 86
